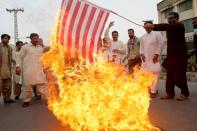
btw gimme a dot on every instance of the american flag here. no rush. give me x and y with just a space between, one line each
80 27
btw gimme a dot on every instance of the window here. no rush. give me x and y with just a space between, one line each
190 45
167 11
186 5
188 25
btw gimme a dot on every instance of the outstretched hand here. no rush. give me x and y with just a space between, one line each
111 24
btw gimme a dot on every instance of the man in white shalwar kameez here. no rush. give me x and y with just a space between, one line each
29 62
17 78
116 48
151 45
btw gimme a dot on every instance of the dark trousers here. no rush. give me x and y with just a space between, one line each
196 55
133 62
176 77
7 89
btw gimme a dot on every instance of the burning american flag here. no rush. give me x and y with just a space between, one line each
92 97
80 27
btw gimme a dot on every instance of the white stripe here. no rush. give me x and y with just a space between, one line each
62 12
83 28
90 33
74 31
74 3
98 33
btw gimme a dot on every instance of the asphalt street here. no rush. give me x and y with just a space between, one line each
170 115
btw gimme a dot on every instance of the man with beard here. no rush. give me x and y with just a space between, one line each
32 70
151 46
133 47
5 69
176 62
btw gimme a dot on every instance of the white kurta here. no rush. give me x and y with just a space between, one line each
30 62
115 45
17 78
115 56
104 53
151 44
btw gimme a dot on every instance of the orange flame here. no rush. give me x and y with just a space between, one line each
97 97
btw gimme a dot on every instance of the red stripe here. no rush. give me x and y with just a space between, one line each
91 49
66 14
79 26
103 28
58 26
69 37
87 28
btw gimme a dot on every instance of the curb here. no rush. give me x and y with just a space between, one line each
191 76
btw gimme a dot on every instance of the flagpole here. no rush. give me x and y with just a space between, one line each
113 13
126 18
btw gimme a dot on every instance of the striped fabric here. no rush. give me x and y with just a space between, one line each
80 27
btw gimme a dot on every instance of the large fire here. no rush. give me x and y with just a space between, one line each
97 97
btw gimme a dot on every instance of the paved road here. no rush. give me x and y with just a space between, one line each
169 115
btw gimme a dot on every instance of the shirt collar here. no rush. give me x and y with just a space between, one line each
33 45
5 45
150 33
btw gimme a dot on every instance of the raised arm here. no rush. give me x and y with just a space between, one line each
106 35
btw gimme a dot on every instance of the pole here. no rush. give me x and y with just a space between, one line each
15 11
113 13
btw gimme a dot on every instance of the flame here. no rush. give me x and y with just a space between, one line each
97 97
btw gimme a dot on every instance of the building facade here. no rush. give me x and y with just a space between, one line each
187 9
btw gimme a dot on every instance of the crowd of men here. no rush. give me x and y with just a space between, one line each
146 51
23 63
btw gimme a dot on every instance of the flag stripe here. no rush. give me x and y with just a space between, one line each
69 36
74 31
94 36
80 26
82 31
99 33
66 31
59 22
90 19
103 26
90 33
65 17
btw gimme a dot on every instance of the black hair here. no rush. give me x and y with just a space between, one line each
148 22
131 30
115 32
5 35
175 14
33 35
19 42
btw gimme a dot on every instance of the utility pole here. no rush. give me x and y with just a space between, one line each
15 11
